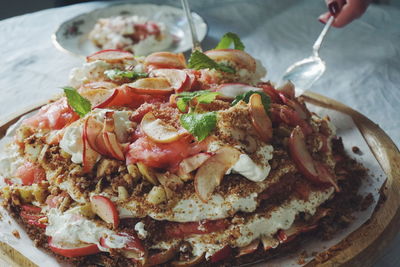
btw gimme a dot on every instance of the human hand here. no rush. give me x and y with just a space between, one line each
344 11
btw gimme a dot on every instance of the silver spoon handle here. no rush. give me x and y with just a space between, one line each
195 39
318 42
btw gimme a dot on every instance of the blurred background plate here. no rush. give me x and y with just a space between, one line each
72 35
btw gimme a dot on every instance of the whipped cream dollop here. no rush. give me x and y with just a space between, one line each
90 71
72 228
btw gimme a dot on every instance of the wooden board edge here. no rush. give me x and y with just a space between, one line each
363 246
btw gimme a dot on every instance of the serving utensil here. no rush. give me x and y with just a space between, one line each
305 72
195 40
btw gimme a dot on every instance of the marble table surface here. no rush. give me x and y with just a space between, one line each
363 59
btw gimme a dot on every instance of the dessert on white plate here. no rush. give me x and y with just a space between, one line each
152 160
131 33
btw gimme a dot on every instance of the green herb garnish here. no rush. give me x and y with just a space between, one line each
228 39
77 102
265 99
203 97
199 124
116 74
198 61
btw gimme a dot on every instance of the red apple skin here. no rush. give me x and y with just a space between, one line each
89 249
105 209
165 60
92 129
260 119
112 145
293 103
301 156
221 254
89 155
110 56
151 86
314 171
108 100
161 257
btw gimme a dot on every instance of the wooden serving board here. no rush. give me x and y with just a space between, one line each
363 246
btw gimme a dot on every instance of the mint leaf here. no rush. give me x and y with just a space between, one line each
77 102
199 61
199 124
228 39
265 99
184 98
116 74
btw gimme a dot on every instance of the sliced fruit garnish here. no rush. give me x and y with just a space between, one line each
287 89
157 130
92 130
179 79
239 57
165 60
271 92
231 90
74 251
259 118
151 86
221 254
250 248
292 118
192 163
105 209
293 103
110 56
161 257
89 155
314 171
211 172
113 146
301 156
195 261
269 242
134 247
31 208
100 98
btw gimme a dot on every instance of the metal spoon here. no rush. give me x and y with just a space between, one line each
195 40
305 72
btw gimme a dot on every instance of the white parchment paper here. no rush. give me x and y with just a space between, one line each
346 128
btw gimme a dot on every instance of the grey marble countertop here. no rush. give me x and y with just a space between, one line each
363 59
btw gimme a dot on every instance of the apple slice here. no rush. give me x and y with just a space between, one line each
239 57
212 171
161 257
100 98
105 209
221 254
231 90
151 86
259 118
157 130
75 251
271 92
301 156
89 155
165 60
292 118
110 56
113 146
179 79
190 164
195 261
325 176
287 89
134 247
92 129
250 248
294 104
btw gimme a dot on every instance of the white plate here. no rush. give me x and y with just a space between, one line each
72 35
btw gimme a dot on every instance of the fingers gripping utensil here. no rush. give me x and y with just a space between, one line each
195 40
305 72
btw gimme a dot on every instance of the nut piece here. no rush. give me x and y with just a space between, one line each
156 195
122 193
134 172
32 151
26 194
106 167
147 173
40 192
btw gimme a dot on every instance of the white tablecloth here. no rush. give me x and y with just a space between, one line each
363 59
